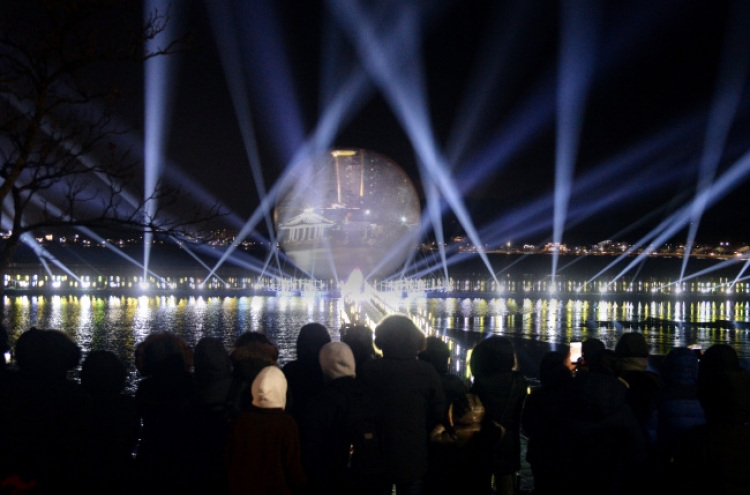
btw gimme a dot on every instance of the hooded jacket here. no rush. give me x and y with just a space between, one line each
263 450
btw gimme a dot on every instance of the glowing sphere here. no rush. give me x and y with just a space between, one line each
348 209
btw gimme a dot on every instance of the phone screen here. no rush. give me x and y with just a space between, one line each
575 352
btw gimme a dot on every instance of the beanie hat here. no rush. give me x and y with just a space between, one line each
269 388
337 360
632 345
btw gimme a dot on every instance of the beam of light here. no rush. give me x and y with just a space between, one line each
729 180
39 202
435 216
159 75
46 267
741 272
733 69
197 258
659 152
222 25
404 89
718 266
40 252
535 113
578 40
494 58
265 59
621 170
236 259
115 249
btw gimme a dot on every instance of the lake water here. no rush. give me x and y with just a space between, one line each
536 324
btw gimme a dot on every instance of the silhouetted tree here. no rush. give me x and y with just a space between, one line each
59 161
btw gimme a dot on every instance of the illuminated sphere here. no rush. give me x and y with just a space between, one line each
347 209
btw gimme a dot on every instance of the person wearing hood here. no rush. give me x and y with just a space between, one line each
263 448
167 455
44 415
304 375
644 386
213 378
502 390
679 407
326 436
582 435
713 457
413 400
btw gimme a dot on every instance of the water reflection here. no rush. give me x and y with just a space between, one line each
119 323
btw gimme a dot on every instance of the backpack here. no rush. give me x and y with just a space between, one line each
362 426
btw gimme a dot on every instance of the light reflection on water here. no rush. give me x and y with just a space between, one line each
119 323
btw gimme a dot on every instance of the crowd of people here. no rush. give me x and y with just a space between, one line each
376 411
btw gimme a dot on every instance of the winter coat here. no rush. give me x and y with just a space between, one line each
582 436
326 439
503 396
263 454
414 403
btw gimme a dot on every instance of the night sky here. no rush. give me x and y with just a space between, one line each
654 70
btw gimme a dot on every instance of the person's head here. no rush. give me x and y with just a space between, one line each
632 345
311 338
680 367
723 386
337 361
437 353
165 353
252 352
590 347
466 409
211 360
360 339
493 355
269 389
719 358
103 374
554 369
254 345
46 353
398 337
605 362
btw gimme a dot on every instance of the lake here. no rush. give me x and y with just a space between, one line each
536 323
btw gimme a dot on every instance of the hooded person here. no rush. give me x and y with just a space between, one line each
304 374
679 407
437 353
502 390
644 385
167 455
114 424
360 339
43 414
251 353
213 379
713 457
263 448
412 397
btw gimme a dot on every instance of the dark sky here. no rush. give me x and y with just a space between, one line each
654 74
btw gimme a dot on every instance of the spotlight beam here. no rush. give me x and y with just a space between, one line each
730 179
404 89
578 39
733 69
159 75
221 20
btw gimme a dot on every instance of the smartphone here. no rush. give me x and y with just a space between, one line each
575 352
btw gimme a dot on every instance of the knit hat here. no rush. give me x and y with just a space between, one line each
337 360
632 345
269 388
